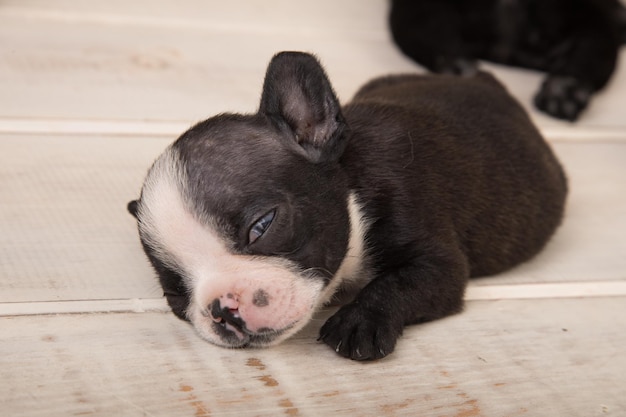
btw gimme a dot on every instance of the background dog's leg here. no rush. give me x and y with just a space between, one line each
580 67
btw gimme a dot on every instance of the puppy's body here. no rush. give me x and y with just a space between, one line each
575 41
254 221
452 171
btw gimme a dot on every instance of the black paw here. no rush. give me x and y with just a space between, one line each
456 66
358 333
563 97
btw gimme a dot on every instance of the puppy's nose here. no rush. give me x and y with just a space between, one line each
225 311
225 306
230 301
216 310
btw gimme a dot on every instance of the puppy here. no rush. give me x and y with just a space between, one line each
254 221
575 41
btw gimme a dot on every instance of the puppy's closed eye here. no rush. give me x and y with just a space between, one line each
260 226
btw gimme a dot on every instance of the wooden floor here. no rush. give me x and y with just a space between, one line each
91 92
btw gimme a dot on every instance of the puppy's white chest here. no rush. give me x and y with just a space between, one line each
353 272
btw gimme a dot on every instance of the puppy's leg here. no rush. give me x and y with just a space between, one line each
582 66
428 31
427 287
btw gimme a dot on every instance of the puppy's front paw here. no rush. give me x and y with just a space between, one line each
358 333
563 97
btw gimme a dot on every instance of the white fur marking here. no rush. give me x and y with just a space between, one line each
211 271
352 271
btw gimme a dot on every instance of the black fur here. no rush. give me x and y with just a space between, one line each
575 41
452 176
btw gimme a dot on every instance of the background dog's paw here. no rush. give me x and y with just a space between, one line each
357 333
563 97
456 66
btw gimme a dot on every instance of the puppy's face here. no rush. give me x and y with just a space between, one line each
245 218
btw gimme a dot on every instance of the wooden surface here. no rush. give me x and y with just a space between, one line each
498 358
91 92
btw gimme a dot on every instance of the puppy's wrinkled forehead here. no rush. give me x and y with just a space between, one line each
237 169
229 146
235 158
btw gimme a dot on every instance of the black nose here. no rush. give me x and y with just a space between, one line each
216 309
226 315
133 207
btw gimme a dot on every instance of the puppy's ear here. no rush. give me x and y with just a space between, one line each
300 101
133 207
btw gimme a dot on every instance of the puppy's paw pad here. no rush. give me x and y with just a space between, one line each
360 334
563 97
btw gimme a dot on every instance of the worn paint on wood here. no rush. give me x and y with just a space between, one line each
91 92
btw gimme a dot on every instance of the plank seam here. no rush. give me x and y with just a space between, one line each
473 293
51 126
546 290
134 305
93 127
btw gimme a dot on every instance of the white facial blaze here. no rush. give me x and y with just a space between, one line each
161 205
267 293
211 271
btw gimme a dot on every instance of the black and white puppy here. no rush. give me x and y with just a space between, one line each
575 41
254 221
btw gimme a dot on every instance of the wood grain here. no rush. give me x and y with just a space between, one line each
92 92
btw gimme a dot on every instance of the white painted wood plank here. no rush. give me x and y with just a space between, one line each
545 290
43 126
473 293
66 234
142 71
184 60
324 18
133 305
508 358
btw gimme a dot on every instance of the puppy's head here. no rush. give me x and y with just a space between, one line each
244 217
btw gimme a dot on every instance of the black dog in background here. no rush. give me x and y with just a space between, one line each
575 41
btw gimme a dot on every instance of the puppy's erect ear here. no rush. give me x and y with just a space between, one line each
132 207
300 101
